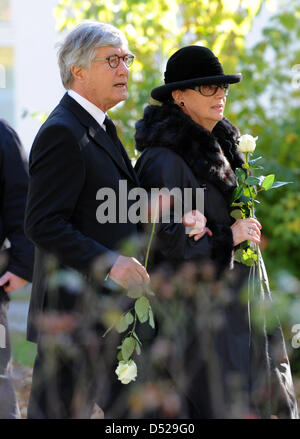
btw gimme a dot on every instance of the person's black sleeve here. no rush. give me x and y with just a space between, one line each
14 182
57 176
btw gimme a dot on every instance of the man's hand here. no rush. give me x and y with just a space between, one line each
196 220
129 273
11 282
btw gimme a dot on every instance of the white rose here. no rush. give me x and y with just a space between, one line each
126 371
247 143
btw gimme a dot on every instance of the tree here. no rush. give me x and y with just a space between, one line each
267 106
157 28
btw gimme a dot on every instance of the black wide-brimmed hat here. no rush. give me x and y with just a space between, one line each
191 66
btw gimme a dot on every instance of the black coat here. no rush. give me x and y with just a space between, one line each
177 152
181 153
13 191
72 157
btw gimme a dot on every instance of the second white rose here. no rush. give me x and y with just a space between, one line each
126 371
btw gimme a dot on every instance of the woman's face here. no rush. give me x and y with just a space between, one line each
204 110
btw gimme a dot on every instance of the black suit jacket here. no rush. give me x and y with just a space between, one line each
13 191
72 157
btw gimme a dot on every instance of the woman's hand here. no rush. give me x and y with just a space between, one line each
196 220
246 230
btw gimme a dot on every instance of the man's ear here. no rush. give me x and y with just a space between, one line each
78 73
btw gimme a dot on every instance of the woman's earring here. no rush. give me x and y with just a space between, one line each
182 104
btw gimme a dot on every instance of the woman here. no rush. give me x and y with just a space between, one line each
187 143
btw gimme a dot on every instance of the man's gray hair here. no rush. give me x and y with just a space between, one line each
81 44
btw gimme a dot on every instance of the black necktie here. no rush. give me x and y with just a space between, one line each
112 132
111 129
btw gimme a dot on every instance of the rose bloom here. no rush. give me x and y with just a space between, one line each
247 143
126 371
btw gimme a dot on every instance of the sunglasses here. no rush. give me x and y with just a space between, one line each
211 89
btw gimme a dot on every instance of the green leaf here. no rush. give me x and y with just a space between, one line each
244 199
137 339
251 181
268 182
256 180
129 318
237 192
288 20
149 292
236 214
249 262
246 256
142 309
128 347
108 330
251 162
135 293
238 255
120 356
151 318
240 174
249 193
122 325
280 183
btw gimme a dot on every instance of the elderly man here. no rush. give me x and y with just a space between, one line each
76 152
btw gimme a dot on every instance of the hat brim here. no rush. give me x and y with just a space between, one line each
163 92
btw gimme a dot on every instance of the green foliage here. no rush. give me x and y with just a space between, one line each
267 105
23 352
142 306
157 28
128 347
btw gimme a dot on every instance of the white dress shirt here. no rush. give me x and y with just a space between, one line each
91 108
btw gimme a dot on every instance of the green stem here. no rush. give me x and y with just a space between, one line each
146 263
259 270
252 215
134 324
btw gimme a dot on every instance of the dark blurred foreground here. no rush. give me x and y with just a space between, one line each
189 365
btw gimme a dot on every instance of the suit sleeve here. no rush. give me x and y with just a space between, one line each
14 185
57 175
167 170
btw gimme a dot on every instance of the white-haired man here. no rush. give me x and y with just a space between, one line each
75 153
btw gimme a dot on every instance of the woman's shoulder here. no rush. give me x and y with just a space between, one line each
161 166
161 154
160 158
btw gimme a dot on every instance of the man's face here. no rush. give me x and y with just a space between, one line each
103 85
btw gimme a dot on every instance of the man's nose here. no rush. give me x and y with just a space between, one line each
122 67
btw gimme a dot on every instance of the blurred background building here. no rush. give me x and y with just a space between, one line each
30 85
30 81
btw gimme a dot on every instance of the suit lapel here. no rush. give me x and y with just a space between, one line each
104 140
97 133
